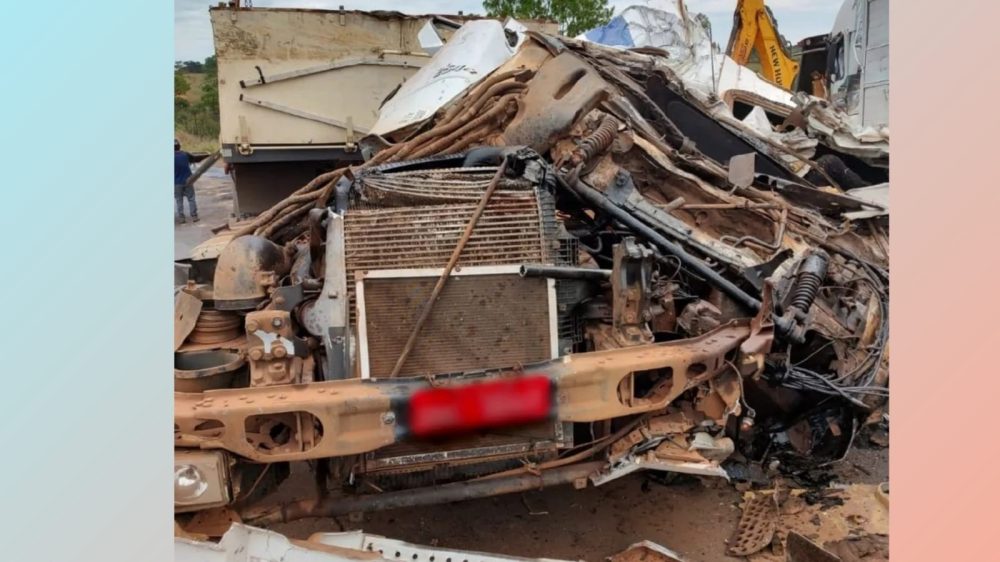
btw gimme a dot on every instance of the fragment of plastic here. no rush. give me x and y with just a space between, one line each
615 33
471 54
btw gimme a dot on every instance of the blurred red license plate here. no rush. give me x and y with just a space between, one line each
441 411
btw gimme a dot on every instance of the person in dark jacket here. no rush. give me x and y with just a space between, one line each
182 189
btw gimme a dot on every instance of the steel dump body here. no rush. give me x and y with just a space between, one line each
297 88
329 67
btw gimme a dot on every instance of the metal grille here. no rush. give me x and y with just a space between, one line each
384 229
434 187
413 220
479 321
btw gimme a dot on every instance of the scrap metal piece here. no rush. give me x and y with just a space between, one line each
843 520
757 525
563 272
599 140
631 280
328 317
650 461
455 491
198 371
393 549
800 549
564 89
215 326
646 551
277 355
741 170
246 268
243 543
602 202
699 317
186 311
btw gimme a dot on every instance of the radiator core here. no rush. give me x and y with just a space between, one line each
486 317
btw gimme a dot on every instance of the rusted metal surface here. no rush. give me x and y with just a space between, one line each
480 320
215 326
420 496
563 90
846 522
277 355
247 267
757 525
765 353
431 300
198 371
356 416
415 219
646 551
187 309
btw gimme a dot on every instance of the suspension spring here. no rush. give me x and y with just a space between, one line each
598 141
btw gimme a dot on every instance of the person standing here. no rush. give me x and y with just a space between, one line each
182 173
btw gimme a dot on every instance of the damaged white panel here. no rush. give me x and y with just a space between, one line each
474 51
710 75
876 195
795 140
668 25
243 543
429 39
392 549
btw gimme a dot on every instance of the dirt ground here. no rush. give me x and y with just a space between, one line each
692 517
214 196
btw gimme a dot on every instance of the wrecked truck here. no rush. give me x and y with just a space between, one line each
578 267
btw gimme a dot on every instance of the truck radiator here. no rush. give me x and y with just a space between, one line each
410 222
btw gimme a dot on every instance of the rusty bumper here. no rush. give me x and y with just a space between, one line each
348 417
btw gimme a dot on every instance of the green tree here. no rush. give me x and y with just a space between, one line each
574 16
181 85
188 66
210 86
210 66
200 119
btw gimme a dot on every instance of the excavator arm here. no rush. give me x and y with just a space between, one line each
755 30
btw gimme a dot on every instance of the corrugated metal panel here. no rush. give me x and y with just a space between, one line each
478 322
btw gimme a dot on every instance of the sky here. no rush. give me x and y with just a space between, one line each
797 19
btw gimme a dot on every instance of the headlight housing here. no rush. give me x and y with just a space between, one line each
201 480
189 483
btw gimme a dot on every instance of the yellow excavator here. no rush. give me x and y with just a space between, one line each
754 29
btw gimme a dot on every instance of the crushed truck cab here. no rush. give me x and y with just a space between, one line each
553 276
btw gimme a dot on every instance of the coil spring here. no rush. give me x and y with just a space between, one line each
599 141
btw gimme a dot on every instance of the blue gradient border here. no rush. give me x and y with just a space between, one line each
87 235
